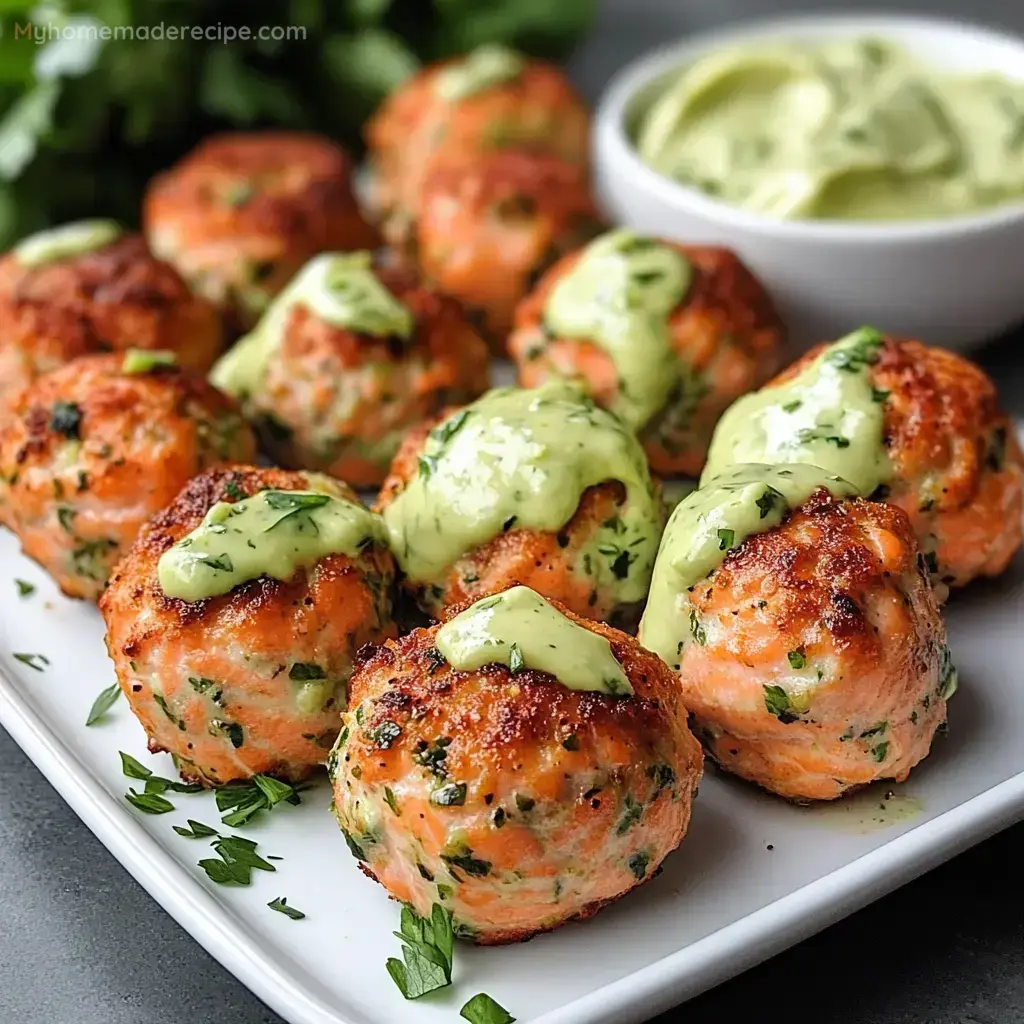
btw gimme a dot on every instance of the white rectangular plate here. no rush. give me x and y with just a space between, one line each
754 875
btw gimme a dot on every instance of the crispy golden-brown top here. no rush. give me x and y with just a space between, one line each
113 297
135 581
498 721
823 570
279 184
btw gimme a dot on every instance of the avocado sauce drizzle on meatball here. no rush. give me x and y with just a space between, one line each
771 451
520 630
339 288
525 457
829 415
485 67
81 236
272 533
709 522
619 295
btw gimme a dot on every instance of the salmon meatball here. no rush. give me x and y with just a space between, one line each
488 226
492 99
241 213
348 358
668 359
89 451
87 287
812 657
249 679
517 802
947 454
537 487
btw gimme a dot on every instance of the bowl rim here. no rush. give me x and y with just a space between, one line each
614 153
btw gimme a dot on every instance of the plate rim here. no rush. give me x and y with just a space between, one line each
635 997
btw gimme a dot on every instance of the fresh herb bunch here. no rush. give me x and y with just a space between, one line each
84 122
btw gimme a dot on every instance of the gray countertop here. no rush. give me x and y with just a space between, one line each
82 943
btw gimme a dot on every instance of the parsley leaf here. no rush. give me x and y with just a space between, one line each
515 659
445 431
482 1009
103 703
151 803
196 830
242 800
138 360
281 905
725 539
36 661
427 948
797 658
238 858
776 700
66 419
24 588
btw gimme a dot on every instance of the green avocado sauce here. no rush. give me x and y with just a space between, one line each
829 415
139 361
520 630
484 68
272 533
744 500
67 241
520 458
339 288
619 296
850 129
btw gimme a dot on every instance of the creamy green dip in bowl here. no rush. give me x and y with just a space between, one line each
864 167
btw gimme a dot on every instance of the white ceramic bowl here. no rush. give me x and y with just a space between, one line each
953 282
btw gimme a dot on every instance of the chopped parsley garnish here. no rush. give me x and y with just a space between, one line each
244 799
223 561
234 732
451 794
24 588
861 354
638 864
515 659
281 906
304 671
103 703
482 1009
662 774
292 504
620 567
878 753
238 859
233 491
385 734
196 830
151 803
36 661
66 419
797 658
777 701
792 406
630 816
427 950
138 361
696 629
389 799
432 755
465 860
726 539
880 394
875 730
767 501
445 431
66 518
427 464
